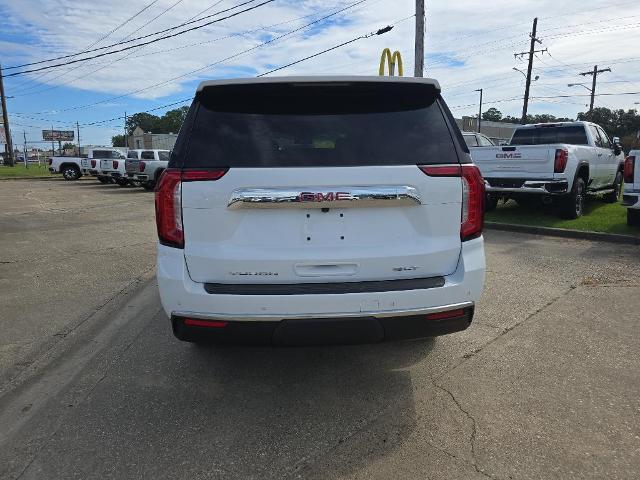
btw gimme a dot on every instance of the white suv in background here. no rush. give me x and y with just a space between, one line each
319 210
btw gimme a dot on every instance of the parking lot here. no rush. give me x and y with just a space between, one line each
544 384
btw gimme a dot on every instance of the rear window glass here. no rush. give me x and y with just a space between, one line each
470 140
572 135
163 156
132 155
289 125
147 155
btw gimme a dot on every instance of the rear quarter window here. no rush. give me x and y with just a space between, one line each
311 125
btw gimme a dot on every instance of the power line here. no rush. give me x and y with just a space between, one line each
218 62
145 36
379 32
141 44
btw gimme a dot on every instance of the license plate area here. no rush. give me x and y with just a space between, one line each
325 227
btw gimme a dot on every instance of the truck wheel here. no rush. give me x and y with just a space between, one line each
71 172
614 196
572 205
103 179
633 217
149 185
122 182
490 203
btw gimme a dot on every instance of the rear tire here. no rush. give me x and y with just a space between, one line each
490 202
149 186
121 182
633 217
614 196
103 180
572 204
71 172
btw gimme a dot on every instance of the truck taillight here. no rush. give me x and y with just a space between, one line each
142 166
169 202
629 167
115 164
472 218
50 161
93 164
560 162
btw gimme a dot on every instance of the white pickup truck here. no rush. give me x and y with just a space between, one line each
72 168
145 166
553 162
631 195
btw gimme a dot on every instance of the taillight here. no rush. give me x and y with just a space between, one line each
169 202
93 164
629 167
115 164
194 322
142 166
560 162
472 218
50 161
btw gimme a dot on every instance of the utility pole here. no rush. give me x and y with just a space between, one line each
78 128
126 144
53 145
26 160
8 159
418 68
479 110
595 73
532 51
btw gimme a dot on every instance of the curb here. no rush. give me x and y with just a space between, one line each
561 232
29 178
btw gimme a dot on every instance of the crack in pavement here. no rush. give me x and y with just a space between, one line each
472 436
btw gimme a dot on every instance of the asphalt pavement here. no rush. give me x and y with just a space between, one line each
544 384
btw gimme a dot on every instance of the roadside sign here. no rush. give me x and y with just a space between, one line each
57 135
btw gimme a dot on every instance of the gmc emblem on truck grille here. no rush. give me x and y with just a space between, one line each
509 155
324 197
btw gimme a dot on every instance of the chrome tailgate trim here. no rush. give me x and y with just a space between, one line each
333 197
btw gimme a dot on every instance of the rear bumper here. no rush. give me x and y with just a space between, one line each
535 187
315 331
139 177
181 297
631 200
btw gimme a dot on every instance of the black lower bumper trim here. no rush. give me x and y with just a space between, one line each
324 288
326 331
629 200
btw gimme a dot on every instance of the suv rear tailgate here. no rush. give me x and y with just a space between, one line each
354 241
313 151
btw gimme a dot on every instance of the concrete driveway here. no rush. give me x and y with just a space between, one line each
544 384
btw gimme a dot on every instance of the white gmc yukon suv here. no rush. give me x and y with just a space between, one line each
319 210
559 162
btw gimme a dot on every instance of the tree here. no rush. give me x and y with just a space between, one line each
493 115
118 141
172 120
68 146
145 121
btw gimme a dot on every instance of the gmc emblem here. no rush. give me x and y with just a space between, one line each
323 197
509 155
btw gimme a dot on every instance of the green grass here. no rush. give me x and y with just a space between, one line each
22 171
598 217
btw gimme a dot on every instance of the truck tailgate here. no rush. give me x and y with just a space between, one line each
534 161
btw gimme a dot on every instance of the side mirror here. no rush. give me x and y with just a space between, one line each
616 140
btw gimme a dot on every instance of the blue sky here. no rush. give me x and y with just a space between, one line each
467 47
